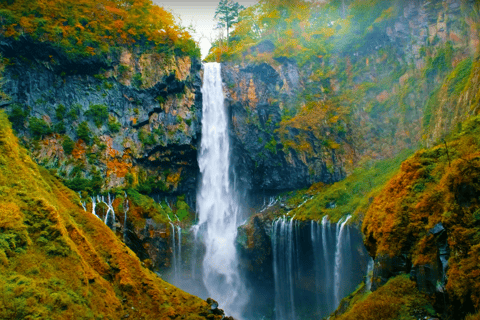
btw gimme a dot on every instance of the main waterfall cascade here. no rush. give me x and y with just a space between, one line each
314 266
217 205
311 262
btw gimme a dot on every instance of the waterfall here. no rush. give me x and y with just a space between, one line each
174 255
315 265
368 278
94 203
339 259
110 215
327 261
217 208
126 207
194 254
283 245
178 261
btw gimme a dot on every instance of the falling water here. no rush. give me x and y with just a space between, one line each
126 207
176 253
339 258
194 254
313 268
368 280
178 262
327 261
94 203
217 207
283 251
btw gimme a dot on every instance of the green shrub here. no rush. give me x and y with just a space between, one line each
114 126
68 145
84 133
98 113
59 127
92 186
17 116
151 185
60 112
38 127
74 111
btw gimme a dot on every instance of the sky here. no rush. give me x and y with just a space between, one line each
200 15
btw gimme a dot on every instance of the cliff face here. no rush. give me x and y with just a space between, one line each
258 96
135 117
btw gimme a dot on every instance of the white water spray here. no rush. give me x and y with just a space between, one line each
217 207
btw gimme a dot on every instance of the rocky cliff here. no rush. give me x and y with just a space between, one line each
132 120
258 97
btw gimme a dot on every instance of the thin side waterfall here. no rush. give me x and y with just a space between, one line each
174 253
94 204
283 245
327 263
216 200
178 262
339 258
368 278
126 207
110 215
194 254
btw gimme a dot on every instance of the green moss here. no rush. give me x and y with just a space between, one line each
458 79
151 185
429 108
74 111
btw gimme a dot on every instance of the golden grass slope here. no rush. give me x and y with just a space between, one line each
59 262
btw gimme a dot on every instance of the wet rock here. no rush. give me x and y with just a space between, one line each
386 267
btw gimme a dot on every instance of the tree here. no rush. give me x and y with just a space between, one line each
227 12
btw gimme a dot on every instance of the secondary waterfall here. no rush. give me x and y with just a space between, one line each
216 200
283 245
176 253
314 265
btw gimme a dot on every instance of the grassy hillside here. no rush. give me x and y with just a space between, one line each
60 262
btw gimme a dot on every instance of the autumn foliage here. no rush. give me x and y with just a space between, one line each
85 28
438 185
59 262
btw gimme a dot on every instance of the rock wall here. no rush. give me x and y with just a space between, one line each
152 123
257 95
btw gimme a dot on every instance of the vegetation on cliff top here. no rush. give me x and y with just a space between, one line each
58 261
87 28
